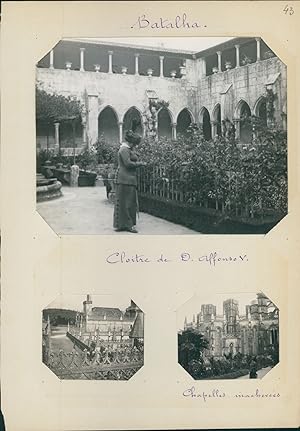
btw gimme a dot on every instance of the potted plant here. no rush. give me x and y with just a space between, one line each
87 160
149 72
246 60
68 65
182 71
173 73
228 65
97 67
124 70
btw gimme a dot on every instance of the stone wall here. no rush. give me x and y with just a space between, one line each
97 90
246 83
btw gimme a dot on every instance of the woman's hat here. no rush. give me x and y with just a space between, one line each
132 137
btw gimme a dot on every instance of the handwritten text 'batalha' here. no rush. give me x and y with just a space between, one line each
220 394
180 21
211 259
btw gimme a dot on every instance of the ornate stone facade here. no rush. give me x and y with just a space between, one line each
254 333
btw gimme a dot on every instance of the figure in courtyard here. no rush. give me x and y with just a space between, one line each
126 201
253 369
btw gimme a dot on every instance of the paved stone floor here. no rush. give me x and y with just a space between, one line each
86 211
260 373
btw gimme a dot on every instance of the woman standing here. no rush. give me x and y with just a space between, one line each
126 185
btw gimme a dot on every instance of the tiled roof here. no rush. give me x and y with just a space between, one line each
106 313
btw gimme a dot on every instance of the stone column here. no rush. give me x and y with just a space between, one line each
92 118
219 54
214 128
120 131
236 123
83 122
161 66
51 62
110 59
82 59
174 134
56 125
145 126
257 48
237 55
136 72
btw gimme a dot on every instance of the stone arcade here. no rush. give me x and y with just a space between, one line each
214 88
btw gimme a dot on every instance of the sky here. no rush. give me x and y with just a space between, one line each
74 302
195 44
193 306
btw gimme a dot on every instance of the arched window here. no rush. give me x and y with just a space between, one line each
164 124
133 117
243 114
261 110
206 124
184 120
217 129
108 125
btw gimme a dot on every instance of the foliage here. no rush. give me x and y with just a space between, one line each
56 107
87 159
190 345
106 152
244 179
59 316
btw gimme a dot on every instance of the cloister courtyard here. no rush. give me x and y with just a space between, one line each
87 211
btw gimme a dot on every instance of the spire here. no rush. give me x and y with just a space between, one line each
185 322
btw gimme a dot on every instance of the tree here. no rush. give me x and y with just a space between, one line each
190 346
51 108
56 107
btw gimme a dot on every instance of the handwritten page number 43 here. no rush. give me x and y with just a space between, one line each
289 10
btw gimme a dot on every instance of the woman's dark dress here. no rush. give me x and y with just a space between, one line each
126 189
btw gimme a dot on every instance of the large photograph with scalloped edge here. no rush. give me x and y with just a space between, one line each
161 136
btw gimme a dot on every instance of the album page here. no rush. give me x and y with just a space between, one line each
150 209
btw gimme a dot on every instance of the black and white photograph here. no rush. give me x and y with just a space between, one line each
95 337
228 337
170 136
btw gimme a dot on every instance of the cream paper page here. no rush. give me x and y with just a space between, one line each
38 265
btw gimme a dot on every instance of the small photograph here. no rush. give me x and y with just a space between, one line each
161 136
99 338
229 337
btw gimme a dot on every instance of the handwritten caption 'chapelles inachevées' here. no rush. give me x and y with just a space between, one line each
218 394
212 258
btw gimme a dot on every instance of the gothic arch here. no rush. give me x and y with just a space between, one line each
240 107
108 124
260 109
113 110
205 123
132 113
164 123
184 119
216 116
244 128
